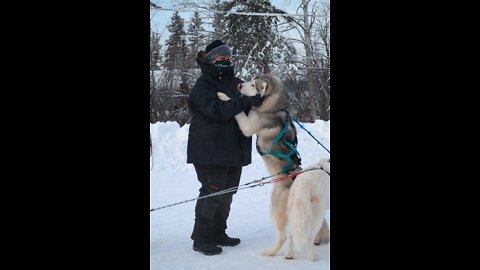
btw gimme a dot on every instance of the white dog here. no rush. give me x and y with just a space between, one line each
308 201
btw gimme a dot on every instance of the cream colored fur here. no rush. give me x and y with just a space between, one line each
308 201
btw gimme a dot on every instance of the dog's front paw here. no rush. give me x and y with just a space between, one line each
321 242
222 96
325 239
313 258
323 236
268 253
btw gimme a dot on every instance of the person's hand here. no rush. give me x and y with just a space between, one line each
253 101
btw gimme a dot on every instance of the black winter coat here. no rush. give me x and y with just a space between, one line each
214 137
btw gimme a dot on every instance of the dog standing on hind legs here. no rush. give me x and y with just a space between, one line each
287 204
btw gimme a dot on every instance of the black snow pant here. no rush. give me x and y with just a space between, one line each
211 213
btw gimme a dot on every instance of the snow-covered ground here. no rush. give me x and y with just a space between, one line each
173 180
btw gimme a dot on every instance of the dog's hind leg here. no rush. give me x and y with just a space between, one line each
310 254
279 218
323 236
289 253
313 235
280 227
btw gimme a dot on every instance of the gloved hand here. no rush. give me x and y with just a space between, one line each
253 101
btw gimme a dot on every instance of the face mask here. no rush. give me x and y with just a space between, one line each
225 63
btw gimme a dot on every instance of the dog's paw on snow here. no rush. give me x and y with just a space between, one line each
323 241
268 253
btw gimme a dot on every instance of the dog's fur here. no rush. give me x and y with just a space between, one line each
267 121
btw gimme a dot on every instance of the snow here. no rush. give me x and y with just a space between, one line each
173 180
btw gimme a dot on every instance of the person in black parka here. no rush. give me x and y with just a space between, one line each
216 146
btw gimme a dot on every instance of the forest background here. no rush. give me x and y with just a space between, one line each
292 44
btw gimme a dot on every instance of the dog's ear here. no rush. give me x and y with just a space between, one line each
264 89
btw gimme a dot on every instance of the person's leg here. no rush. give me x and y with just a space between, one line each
212 179
221 216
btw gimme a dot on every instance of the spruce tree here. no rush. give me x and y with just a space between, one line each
255 39
155 47
196 38
217 21
176 52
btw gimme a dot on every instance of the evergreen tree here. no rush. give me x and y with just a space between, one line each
284 59
255 39
176 52
196 38
155 47
218 23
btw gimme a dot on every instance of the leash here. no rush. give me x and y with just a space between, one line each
257 183
225 191
294 119
294 175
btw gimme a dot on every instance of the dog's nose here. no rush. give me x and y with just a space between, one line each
239 86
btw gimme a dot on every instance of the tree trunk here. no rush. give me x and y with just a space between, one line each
310 67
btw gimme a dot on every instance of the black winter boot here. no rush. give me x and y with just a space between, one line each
207 249
224 240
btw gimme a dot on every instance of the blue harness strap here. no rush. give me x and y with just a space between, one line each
281 136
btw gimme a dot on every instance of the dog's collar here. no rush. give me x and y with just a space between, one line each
321 168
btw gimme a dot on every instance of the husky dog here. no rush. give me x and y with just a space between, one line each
268 121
